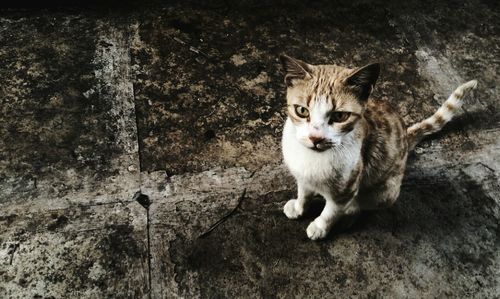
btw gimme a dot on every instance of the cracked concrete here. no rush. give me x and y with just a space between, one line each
183 103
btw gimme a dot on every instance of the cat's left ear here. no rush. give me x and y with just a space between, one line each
363 80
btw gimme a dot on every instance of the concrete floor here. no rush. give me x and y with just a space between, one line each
140 151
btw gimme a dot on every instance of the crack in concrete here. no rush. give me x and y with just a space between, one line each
141 198
121 202
145 202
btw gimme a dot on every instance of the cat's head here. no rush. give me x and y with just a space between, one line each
325 102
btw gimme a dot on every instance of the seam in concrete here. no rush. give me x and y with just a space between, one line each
141 198
144 201
149 253
99 204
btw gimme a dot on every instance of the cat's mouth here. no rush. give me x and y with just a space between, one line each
321 147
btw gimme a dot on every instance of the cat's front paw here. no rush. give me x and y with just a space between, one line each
316 232
291 210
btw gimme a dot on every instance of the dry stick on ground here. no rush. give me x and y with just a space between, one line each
220 221
12 249
191 48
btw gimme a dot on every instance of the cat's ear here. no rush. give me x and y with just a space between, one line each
295 69
363 80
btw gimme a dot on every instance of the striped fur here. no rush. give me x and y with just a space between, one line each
443 115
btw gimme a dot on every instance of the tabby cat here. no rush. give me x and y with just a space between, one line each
340 143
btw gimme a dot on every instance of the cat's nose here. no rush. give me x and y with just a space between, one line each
316 140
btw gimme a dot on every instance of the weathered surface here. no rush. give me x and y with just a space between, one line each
185 103
90 251
429 244
69 162
221 65
67 109
219 103
213 194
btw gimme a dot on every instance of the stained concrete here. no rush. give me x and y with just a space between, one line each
70 161
184 104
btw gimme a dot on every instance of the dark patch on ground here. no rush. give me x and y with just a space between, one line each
54 118
59 221
119 247
142 199
8 219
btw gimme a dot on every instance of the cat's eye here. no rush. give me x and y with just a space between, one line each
338 117
301 111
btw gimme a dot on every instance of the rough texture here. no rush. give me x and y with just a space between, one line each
69 162
184 103
90 251
67 109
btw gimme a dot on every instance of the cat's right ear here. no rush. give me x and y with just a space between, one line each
295 69
363 80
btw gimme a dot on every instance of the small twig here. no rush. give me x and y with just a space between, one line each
223 219
180 41
191 48
276 263
252 174
198 51
12 249
486 166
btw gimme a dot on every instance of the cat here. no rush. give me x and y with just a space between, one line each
342 144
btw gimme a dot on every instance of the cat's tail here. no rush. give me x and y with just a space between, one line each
443 115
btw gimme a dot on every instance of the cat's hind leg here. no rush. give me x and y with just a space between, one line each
381 196
294 208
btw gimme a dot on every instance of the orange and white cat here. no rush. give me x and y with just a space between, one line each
342 144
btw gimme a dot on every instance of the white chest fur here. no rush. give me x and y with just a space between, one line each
317 169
